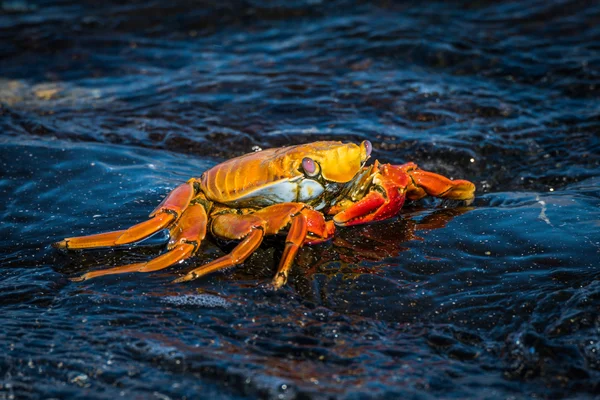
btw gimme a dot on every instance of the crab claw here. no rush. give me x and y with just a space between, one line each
390 185
428 183
384 200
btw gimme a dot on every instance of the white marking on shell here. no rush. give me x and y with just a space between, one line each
282 191
309 190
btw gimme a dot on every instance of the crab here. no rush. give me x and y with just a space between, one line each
305 190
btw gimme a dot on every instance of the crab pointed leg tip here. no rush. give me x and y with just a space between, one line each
276 284
184 278
78 278
279 281
60 245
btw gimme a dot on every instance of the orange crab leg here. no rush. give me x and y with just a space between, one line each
187 235
248 227
85 242
167 212
428 183
318 230
133 234
306 225
163 261
294 241
439 186
177 200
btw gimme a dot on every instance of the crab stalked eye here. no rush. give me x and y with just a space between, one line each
310 166
368 148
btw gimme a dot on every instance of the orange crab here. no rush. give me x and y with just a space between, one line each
306 190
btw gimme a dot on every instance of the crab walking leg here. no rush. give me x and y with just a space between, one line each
87 242
306 225
318 230
133 234
232 226
428 183
187 235
163 261
294 241
167 212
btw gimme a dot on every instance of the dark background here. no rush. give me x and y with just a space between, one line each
106 106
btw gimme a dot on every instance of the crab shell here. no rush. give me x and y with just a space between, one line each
311 173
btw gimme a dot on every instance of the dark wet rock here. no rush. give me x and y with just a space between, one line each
106 107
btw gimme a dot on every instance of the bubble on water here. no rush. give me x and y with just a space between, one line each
543 215
200 300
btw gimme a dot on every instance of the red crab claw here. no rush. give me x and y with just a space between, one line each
384 200
428 183
391 185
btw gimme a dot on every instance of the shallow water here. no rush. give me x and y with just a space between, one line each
105 108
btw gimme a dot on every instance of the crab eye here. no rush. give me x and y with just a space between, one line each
368 147
310 167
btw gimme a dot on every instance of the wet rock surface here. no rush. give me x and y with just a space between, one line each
104 108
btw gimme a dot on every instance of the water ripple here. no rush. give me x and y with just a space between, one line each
104 108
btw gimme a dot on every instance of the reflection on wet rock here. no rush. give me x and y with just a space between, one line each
105 109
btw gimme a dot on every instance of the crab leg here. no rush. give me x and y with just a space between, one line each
232 226
167 212
428 183
186 237
294 241
87 242
161 262
308 227
305 226
318 230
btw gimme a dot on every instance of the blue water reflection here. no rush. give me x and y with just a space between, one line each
104 108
